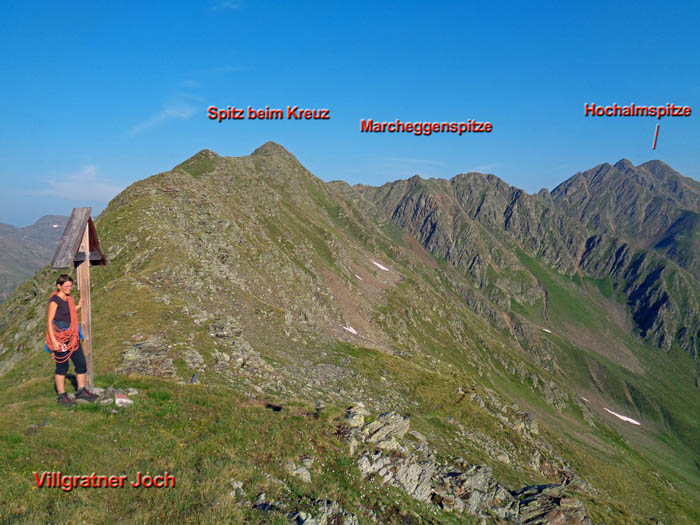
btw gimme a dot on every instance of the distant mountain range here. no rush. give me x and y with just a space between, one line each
480 225
650 206
25 250
546 347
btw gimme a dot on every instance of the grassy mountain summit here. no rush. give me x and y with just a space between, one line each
481 338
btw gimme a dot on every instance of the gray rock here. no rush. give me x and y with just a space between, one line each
108 393
298 471
325 512
415 478
532 425
466 488
193 359
535 460
388 424
151 357
355 415
303 518
262 504
371 463
549 504
390 444
352 446
237 491
365 466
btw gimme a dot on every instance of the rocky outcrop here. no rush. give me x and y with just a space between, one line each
150 357
300 471
549 504
324 512
384 454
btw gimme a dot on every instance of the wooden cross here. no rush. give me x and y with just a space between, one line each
80 248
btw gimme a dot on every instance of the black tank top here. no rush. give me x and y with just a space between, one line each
63 311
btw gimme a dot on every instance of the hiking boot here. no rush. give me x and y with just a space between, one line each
85 394
63 399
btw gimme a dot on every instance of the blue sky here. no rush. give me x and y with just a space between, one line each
95 96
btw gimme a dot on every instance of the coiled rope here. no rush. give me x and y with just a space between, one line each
68 339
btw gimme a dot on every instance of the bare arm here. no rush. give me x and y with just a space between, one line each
49 324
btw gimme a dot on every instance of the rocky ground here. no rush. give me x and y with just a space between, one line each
389 451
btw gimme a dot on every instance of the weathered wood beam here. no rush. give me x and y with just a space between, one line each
71 238
83 274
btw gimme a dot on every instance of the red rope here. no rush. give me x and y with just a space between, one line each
68 340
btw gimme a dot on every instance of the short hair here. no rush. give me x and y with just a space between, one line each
64 278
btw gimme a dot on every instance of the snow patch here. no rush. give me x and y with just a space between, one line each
360 278
623 418
381 267
586 400
350 329
54 225
545 330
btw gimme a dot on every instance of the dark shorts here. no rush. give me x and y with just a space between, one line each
77 357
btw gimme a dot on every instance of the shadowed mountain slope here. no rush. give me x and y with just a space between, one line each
650 206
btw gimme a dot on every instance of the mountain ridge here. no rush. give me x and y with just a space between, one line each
650 206
543 230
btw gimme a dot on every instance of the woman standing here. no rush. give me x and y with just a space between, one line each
62 337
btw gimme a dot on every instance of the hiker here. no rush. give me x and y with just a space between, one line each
63 339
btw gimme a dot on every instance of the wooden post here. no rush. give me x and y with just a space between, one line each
83 274
79 248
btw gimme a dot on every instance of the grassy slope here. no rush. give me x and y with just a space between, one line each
205 437
665 448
